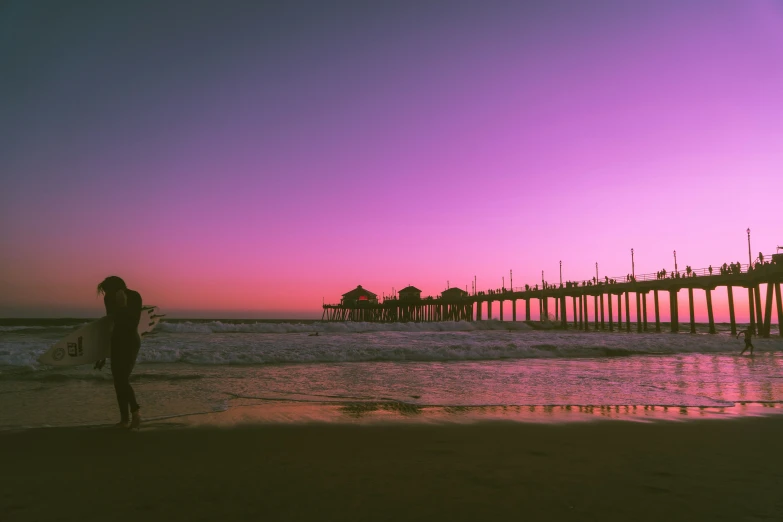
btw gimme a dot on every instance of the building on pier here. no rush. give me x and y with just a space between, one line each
453 294
409 293
358 297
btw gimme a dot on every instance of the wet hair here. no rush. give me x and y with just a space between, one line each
111 283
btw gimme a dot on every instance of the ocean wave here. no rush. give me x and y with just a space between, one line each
40 328
344 327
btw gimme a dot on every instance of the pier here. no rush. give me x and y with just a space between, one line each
457 305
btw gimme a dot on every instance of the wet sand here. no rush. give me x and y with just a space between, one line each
603 470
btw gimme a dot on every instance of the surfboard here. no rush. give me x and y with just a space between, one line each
92 342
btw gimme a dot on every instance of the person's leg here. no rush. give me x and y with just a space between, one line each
120 371
134 406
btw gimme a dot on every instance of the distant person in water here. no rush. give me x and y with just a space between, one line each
748 333
124 306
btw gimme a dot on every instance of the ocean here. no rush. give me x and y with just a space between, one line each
278 371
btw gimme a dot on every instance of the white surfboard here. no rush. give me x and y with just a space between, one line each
92 342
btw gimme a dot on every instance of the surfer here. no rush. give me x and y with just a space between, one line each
124 306
748 333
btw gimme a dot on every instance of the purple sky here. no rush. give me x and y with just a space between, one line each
254 159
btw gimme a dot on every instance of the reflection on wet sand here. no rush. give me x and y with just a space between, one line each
257 412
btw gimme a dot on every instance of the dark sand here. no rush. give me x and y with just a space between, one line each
605 470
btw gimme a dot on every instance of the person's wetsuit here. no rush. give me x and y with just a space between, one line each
125 343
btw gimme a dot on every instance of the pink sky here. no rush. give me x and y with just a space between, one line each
253 161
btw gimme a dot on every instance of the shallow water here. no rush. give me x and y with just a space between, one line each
354 370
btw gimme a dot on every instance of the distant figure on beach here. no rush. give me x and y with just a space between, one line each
748 333
124 306
313 334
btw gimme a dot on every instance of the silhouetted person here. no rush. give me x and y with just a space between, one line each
124 306
748 333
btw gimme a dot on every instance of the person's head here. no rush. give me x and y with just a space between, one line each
110 285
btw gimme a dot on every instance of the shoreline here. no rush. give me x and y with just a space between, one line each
258 412
699 470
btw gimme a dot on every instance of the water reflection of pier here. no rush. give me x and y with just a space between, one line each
457 305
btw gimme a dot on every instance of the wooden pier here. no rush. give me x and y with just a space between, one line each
460 306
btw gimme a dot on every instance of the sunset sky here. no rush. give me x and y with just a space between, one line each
249 159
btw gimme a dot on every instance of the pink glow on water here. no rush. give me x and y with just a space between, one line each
257 174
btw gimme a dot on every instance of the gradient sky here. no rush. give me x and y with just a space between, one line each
249 159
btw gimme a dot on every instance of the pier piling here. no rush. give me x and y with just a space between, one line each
564 314
732 318
709 311
627 312
638 313
759 316
690 308
780 309
609 311
657 312
768 311
576 317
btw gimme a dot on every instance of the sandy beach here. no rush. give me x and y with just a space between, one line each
602 470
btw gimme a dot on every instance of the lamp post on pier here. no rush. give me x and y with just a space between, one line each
675 261
511 276
633 267
749 259
561 274
596 272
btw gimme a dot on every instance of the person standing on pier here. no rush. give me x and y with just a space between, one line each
748 333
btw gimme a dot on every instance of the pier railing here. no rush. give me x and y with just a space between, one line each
652 276
695 272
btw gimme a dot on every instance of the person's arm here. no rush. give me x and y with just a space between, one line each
109 304
128 308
